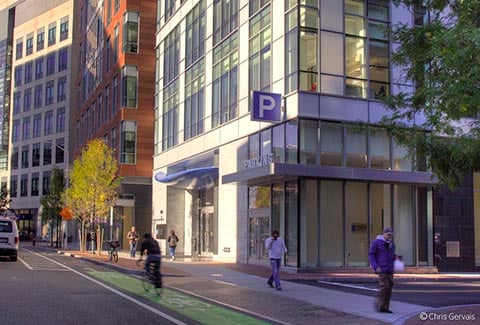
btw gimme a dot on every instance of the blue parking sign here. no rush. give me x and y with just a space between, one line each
266 107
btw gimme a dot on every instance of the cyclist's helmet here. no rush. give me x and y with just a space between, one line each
147 235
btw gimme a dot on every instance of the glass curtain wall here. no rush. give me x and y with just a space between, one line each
309 223
301 45
356 228
331 224
403 222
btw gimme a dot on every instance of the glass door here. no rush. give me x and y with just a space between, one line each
206 231
259 232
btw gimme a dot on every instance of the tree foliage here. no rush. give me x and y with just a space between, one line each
93 182
52 202
441 58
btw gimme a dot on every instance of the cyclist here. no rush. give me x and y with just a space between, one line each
150 247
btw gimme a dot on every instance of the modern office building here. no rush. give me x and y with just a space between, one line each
40 38
228 172
115 41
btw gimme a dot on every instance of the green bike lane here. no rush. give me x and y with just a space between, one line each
201 311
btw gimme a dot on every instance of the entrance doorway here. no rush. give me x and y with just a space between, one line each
259 232
206 231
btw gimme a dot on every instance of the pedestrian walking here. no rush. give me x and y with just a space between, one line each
382 258
276 248
133 236
172 244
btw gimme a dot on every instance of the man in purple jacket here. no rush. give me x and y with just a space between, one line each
382 257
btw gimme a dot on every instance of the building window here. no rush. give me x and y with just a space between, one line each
107 97
14 158
60 120
19 49
27 100
46 183
18 76
115 44
60 151
225 81
50 64
259 49
13 186
171 50
40 40
366 49
99 110
49 92
37 98
48 126
25 154
47 153
170 115
116 6
195 47
225 19
39 69
128 142
130 32
114 95
29 45
36 154
62 59
301 29
15 131
34 188
28 72
113 138
107 54
26 128
64 29
169 8
194 100
37 125
16 102
24 185
52 34
129 83
61 89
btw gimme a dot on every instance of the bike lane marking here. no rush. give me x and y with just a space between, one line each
186 305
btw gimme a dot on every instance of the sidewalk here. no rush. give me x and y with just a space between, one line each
253 277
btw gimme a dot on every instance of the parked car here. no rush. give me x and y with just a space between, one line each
9 238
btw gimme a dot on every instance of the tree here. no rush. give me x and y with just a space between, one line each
93 186
440 58
52 203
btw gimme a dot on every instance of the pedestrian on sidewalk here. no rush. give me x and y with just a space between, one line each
133 236
382 258
276 248
172 244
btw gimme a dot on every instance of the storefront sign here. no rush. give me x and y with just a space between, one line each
453 249
259 162
359 227
266 107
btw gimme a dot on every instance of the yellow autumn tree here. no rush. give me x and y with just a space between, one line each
93 186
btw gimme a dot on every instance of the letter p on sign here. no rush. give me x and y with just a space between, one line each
266 107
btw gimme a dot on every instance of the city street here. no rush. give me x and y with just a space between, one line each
77 288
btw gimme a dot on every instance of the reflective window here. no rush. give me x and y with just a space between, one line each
331 144
130 32
355 147
128 142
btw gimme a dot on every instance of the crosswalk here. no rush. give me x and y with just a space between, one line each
37 262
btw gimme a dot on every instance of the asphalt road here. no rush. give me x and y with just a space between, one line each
44 287
427 293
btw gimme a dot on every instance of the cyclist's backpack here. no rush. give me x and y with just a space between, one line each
173 241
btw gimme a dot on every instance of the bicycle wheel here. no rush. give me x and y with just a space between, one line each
115 256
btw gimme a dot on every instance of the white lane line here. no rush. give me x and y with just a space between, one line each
25 263
347 285
121 294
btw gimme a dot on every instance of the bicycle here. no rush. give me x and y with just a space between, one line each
149 279
112 251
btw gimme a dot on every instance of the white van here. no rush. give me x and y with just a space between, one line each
8 238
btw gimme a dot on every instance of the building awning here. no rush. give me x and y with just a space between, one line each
202 177
277 171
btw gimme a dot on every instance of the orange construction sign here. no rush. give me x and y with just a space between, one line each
66 214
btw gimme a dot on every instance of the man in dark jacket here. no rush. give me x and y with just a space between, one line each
150 247
382 257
